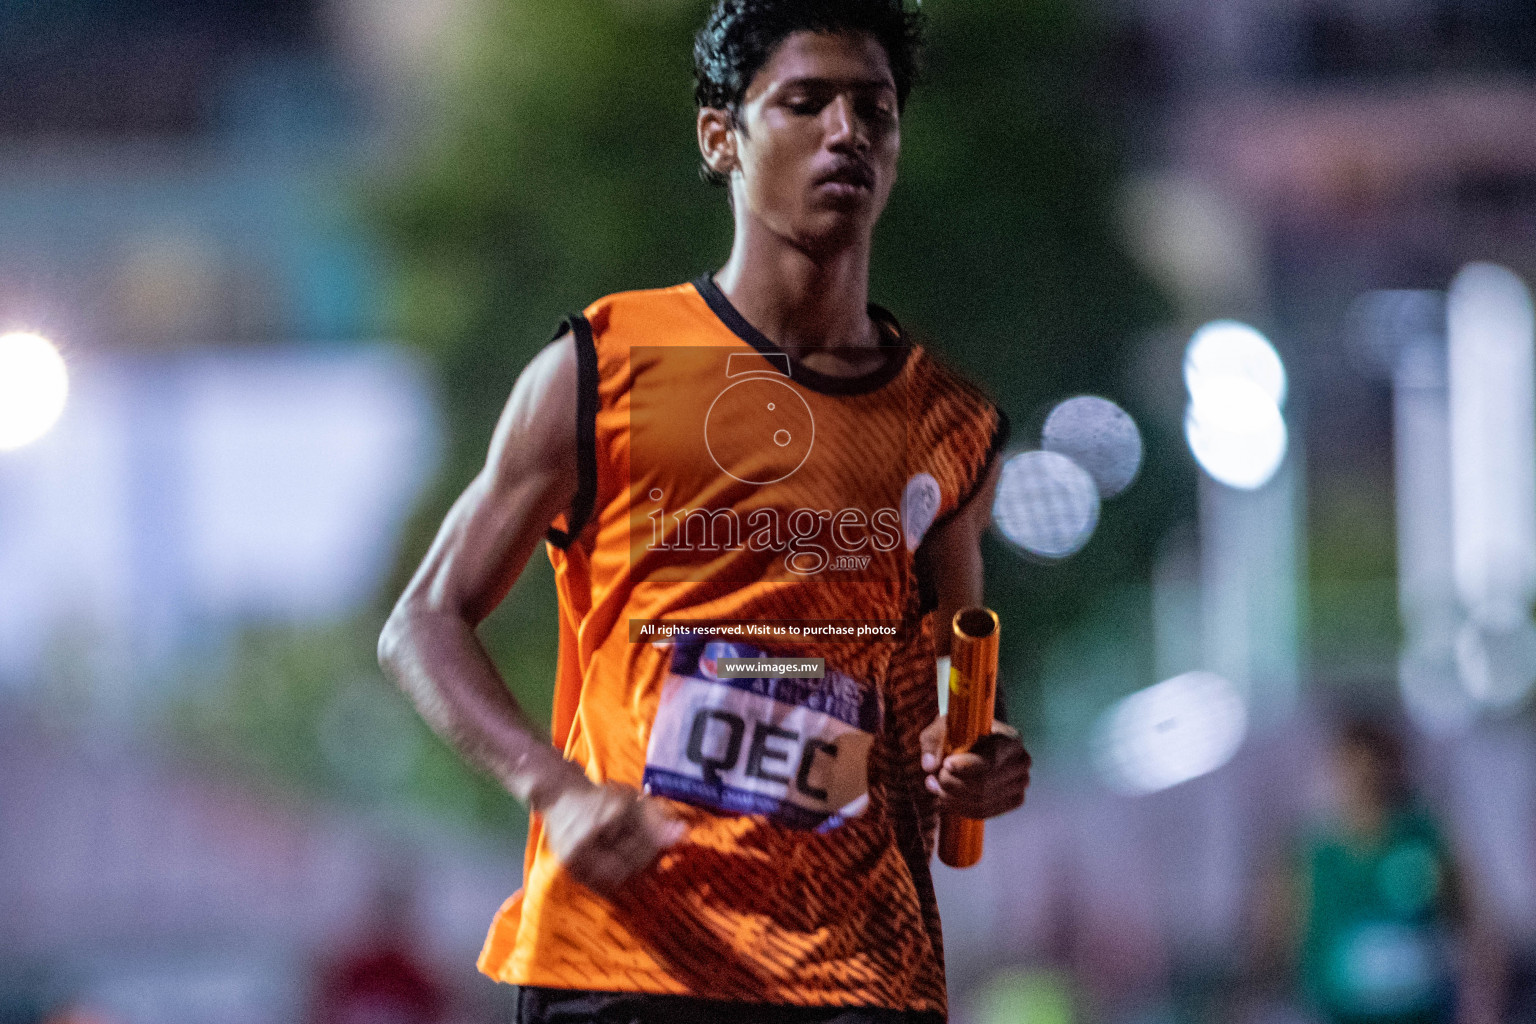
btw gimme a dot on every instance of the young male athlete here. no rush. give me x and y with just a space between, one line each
763 451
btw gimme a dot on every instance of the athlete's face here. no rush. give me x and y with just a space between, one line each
813 153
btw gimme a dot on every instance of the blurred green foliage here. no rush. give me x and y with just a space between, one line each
564 167
309 710
1354 631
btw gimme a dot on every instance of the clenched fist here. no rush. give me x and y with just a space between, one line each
604 834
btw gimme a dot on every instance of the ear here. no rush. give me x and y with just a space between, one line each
717 140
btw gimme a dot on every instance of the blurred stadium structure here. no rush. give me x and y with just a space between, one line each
178 215
185 212
187 494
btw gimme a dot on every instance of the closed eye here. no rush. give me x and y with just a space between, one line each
875 110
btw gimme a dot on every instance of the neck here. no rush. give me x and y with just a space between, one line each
1366 820
797 298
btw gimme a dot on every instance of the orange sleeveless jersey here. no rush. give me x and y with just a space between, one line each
722 480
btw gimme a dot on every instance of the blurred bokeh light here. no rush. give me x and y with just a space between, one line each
34 385
1225 349
1100 437
1237 386
1491 341
1046 504
1177 730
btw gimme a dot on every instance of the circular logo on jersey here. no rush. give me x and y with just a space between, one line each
759 430
919 508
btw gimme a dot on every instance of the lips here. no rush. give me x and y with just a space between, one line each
851 175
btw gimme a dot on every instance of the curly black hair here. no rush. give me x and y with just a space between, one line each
740 36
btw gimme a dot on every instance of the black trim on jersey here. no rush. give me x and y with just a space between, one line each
825 383
1000 435
586 432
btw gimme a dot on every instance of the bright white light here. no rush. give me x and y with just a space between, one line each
1225 348
1236 388
34 384
1491 348
1170 733
1237 434
1099 436
1046 504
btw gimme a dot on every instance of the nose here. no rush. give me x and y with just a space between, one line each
845 130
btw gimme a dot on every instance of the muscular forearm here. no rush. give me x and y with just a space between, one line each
437 659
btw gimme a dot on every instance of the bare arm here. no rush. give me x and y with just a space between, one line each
954 558
429 645
991 777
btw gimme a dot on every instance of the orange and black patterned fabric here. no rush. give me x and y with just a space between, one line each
723 480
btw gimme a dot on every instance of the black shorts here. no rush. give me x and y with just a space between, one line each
567 1006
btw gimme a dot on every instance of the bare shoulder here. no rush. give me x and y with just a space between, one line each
537 427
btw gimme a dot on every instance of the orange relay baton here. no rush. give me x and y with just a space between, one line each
972 697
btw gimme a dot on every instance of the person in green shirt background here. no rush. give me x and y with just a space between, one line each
1376 915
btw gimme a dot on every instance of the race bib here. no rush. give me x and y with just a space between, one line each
796 750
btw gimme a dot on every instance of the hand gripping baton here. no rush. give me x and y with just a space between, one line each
972 696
